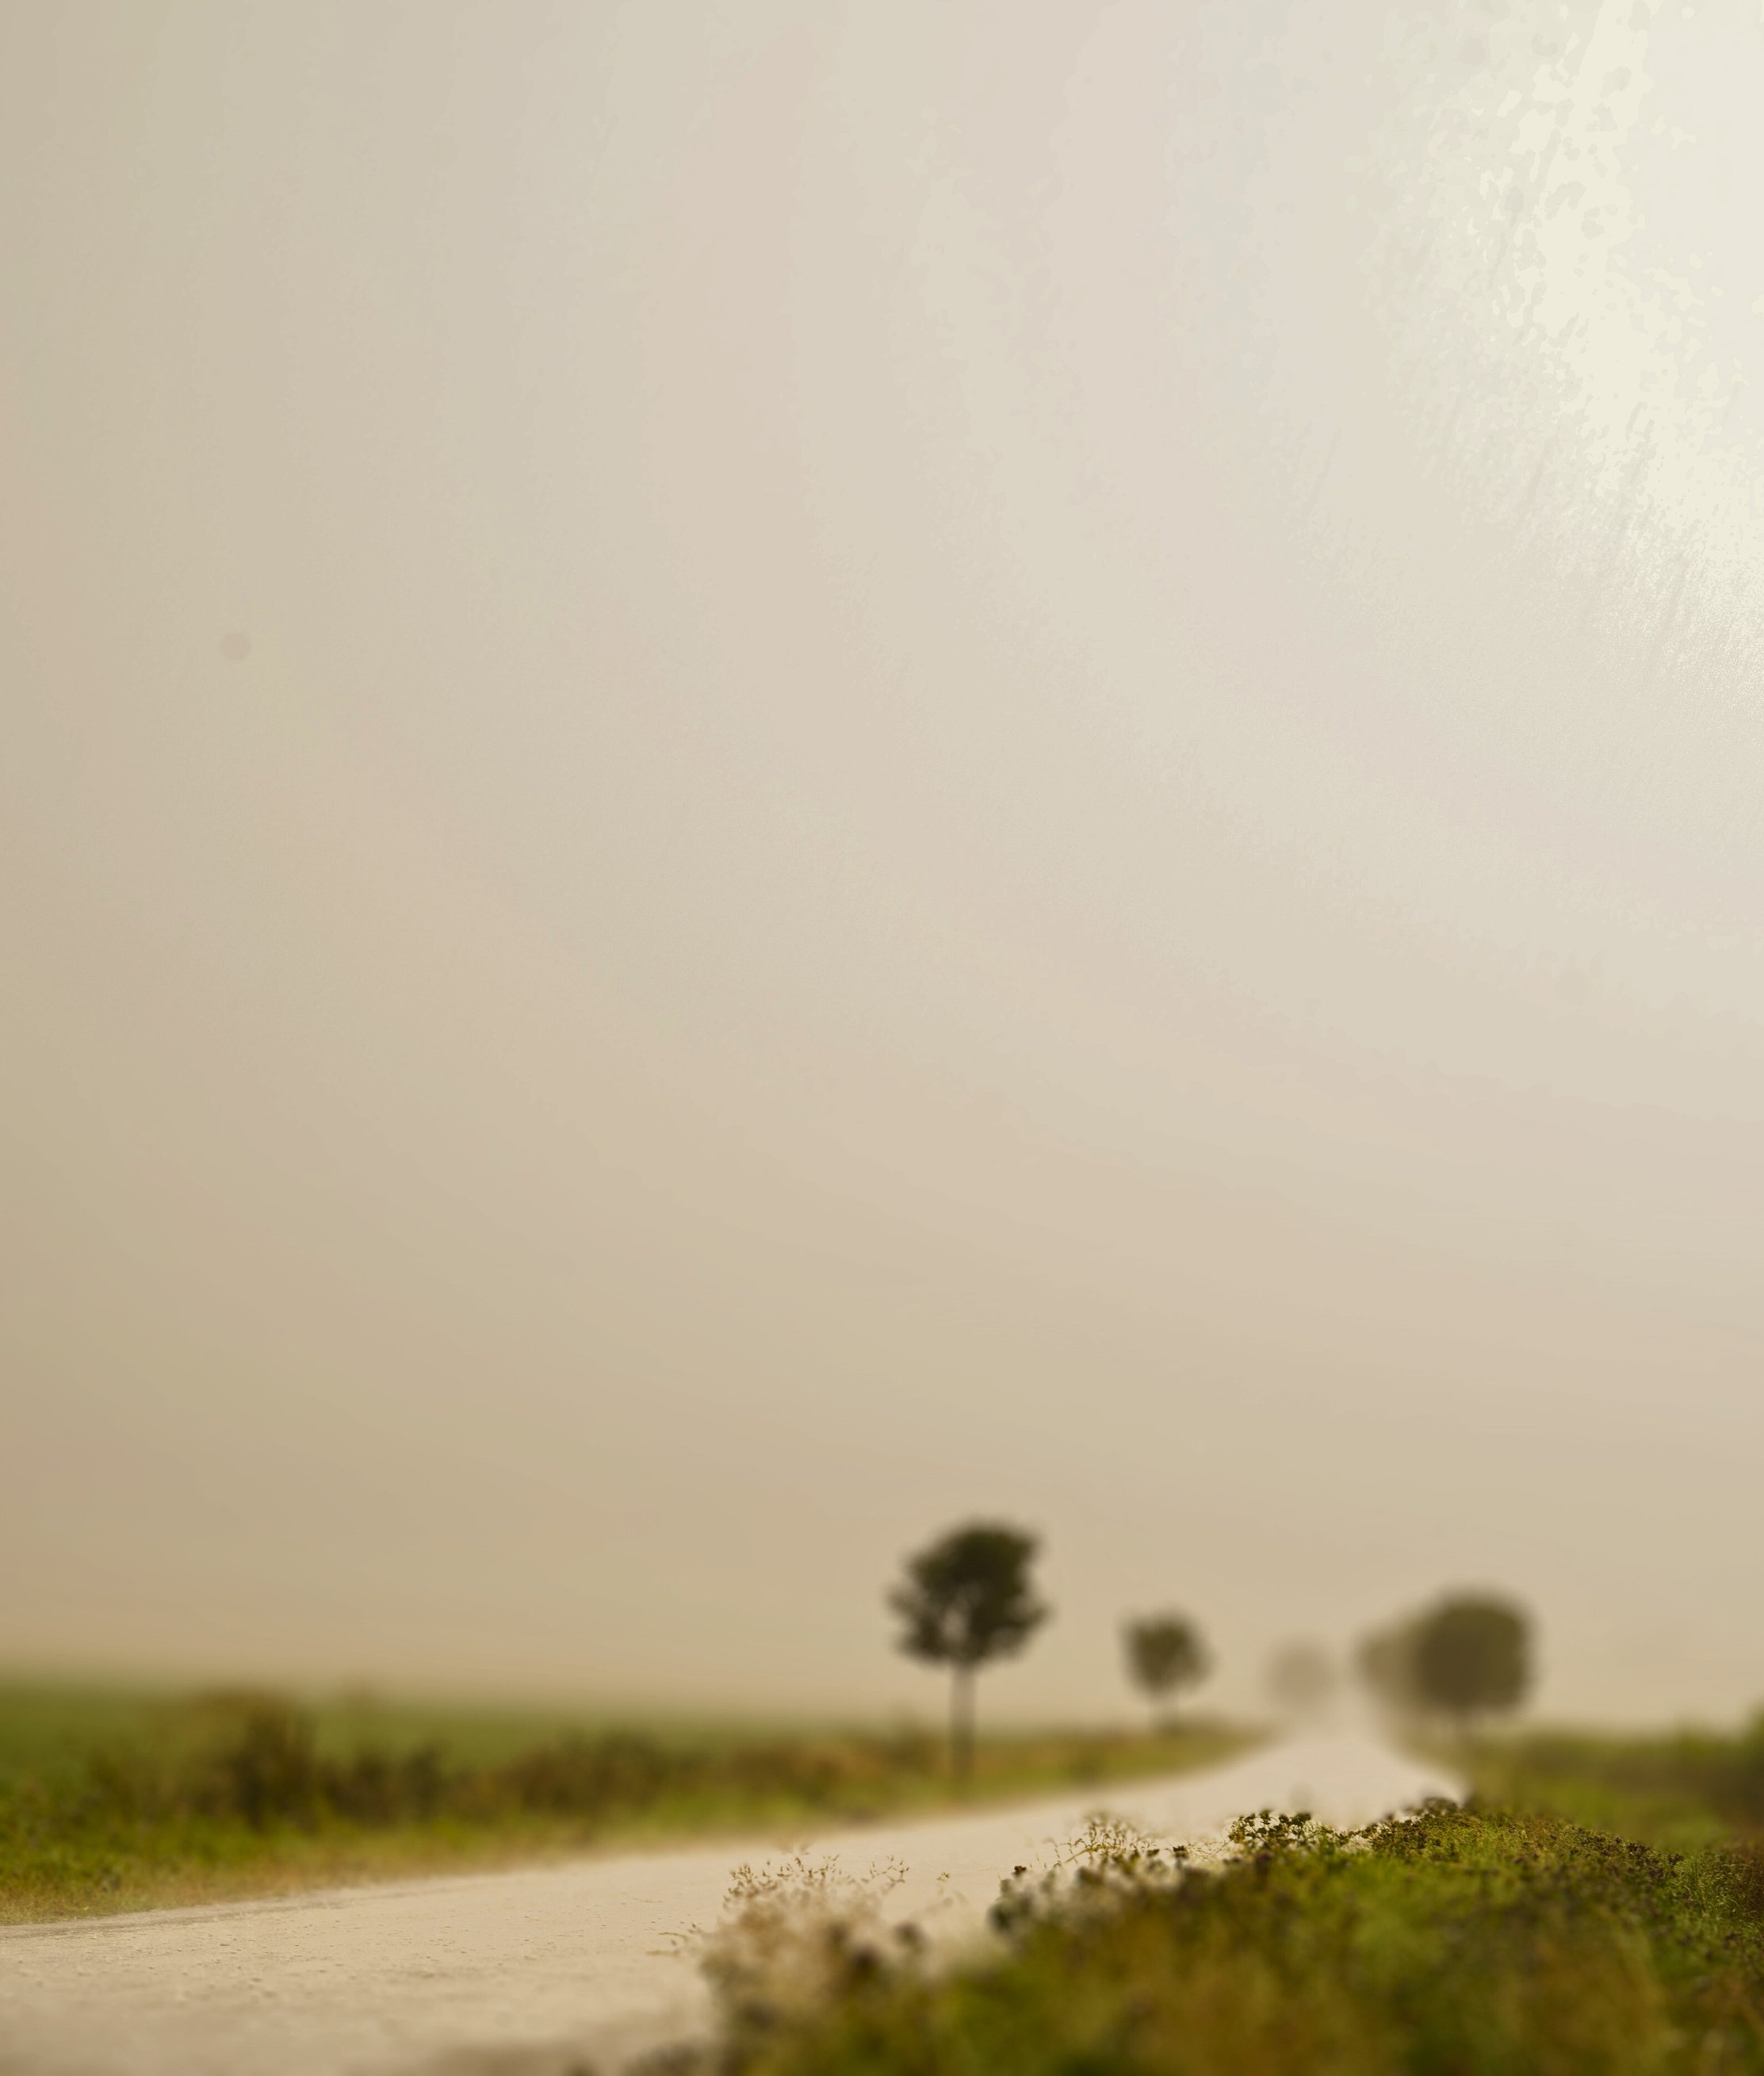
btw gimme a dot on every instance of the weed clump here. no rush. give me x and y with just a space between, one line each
796 1933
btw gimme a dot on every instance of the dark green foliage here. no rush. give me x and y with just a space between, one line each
1461 1943
1470 1656
1164 1654
966 1599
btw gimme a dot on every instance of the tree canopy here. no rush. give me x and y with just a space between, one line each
968 1597
1163 1653
965 1600
1472 1657
1469 1655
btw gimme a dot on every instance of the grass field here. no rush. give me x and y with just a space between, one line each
1683 1791
1506 1939
114 1800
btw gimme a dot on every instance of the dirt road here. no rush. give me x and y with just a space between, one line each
551 1968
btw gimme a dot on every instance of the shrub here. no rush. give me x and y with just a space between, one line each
1460 1943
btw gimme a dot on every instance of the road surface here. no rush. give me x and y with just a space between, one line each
547 1969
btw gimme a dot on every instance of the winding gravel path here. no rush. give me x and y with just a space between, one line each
538 1972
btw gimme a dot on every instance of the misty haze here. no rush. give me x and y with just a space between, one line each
884 930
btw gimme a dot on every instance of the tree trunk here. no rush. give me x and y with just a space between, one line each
962 1722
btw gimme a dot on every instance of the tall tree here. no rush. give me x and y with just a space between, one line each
965 1600
1163 1653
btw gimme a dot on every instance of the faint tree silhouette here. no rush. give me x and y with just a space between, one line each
1163 1653
1386 1662
1300 1678
965 1600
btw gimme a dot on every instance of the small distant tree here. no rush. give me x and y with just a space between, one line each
1301 1678
1471 1657
1387 1665
965 1600
1164 1652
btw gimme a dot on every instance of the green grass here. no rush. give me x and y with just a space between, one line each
45 1724
1682 1791
114 1801
1597 1911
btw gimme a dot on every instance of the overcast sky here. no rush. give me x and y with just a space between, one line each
775 771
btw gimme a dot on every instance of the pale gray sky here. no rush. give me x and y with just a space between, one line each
776 770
